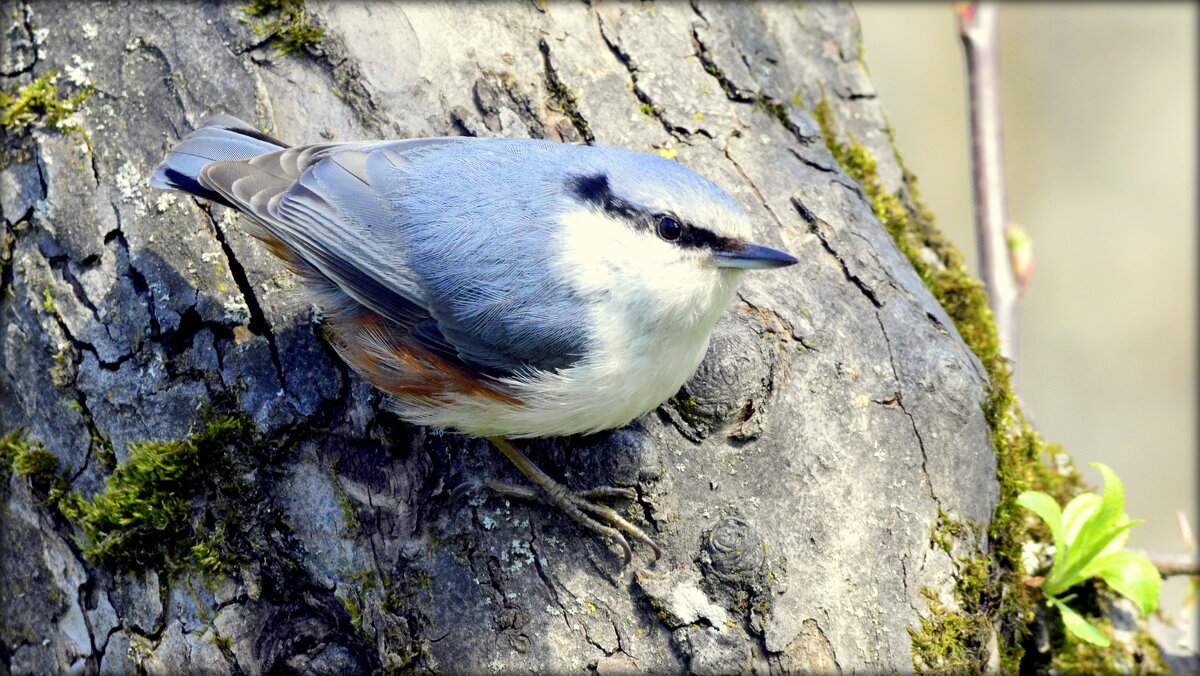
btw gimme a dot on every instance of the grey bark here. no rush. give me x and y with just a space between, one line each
794 494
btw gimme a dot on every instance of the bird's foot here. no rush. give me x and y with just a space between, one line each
583 506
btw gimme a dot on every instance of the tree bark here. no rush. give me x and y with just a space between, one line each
794 483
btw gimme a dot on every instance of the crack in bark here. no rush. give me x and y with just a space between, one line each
563 96
93 658
537 563
869 247
912 420
647 507
904 580
732 91
814 227
27 24
757 193
678 133
588 637
136 278
811 164
258 320
738 95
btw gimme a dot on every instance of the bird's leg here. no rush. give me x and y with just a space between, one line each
599 518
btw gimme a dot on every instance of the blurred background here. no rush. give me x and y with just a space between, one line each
1100 136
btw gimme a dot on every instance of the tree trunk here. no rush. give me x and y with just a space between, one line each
793 484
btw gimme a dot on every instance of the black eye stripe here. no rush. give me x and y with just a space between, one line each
595 190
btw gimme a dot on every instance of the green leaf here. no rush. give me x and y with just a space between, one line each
1044 506
1132 575
1090 546
1078 626
1110 511
1095 535
1122 538
1076 512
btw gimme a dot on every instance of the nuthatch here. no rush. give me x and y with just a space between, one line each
498 287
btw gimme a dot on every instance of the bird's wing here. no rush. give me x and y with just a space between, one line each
334 206
317 201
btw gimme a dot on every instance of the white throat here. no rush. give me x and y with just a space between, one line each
652 312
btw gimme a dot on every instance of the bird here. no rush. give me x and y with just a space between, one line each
502 288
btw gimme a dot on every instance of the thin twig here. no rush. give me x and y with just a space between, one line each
977 22
1173 563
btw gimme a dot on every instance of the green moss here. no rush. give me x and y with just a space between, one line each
38 104
956 639
32 462
1135 653
773 108
223 643
353 610
362 579
39 466
349 510
48 300
1139 656
648 109
689 409
289 24
103 450
7 239
989 583
172 505
11 445
566 102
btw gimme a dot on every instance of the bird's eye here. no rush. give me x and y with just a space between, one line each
669 229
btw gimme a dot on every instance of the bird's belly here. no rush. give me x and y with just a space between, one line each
608 393
602 391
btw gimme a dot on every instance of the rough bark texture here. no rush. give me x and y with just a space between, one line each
793 484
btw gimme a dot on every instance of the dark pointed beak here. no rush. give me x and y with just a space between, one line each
753 257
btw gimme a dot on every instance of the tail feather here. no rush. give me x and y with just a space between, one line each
220 138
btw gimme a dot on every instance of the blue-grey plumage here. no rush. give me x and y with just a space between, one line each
495 286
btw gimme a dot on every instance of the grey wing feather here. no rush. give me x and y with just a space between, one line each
319 202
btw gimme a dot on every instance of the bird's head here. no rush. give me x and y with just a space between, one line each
661 238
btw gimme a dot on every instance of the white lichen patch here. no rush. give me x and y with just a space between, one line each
78 71
69 123
165 201
1064 464
90 31
129 182
1036 556
519 554
40 35
236 314
689 604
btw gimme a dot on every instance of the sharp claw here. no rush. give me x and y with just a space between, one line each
656 549
624 546
460 491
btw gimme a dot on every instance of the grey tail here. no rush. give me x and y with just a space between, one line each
222 137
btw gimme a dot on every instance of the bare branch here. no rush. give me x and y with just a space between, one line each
1173 563
978 31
